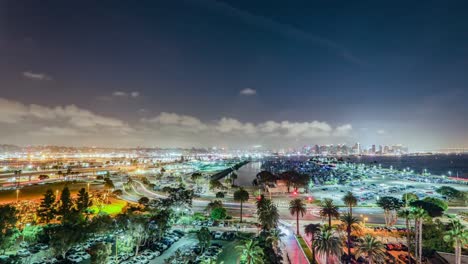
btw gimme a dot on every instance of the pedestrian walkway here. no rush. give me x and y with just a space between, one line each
292 253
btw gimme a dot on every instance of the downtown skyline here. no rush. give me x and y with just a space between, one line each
233 74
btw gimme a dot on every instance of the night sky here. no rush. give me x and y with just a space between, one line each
234 73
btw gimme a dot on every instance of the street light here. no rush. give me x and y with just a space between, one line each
17 195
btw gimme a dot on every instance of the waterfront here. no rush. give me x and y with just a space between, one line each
247 173
435 164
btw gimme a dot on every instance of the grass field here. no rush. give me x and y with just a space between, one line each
115 207
36 192
305 248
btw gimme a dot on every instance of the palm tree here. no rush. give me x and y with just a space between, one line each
350 223
274 237
327 244
405 213
297 206
251 253
458 236
267 213
329 210
241 196
372 248
351 201
418 214
311 230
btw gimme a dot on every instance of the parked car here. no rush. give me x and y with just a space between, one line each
75 258
23 253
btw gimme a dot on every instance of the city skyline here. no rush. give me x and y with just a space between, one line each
233 74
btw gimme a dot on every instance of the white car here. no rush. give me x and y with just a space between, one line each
75 258
148 254
23 253
141 259
83 255
24 244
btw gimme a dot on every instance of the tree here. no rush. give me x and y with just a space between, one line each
220 195
390 205
83 202
418 214
408 198
65 208
329 209
8 219
350 223
213 205
233 177
251 252
63 237
144 201
406 214
117 192
100 252
439 202
204 238
162 220
432 210
108 184
327 244
294 179
372 248
274 237
241 196
458 237
449 192
351 201
46 210
267 213
216 185
218 213
265 177
297 207
312 230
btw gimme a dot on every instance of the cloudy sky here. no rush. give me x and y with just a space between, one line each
234 73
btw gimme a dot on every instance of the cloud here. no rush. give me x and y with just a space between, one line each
37 76
72 125
16 112
381 132
56 131
133 94
343 130
119 94
248 92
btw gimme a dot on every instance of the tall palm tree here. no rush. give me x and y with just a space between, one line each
251 252
241 196
297 206
372 248
312 230
327 244
458 236
329 209
418 214
267 212
406 214
351 201
274 237
350 223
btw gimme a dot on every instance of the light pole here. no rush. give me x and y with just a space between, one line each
17 195
88 187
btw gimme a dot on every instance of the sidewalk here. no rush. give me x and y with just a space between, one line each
292 253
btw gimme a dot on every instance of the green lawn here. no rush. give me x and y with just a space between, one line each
305 248
114 208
